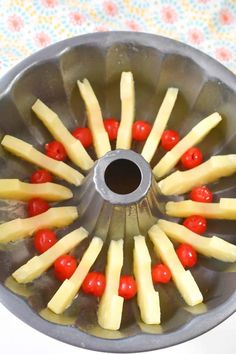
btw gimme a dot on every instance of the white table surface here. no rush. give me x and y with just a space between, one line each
14 332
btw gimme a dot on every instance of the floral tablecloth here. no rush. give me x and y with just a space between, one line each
28 25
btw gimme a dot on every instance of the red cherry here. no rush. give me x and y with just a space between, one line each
161 274
111 125
64 267
94 284
37 206
192 158
84 135
196 223
127 287
169 139
44 239
41 176
55 150
187 255
201 194
141 130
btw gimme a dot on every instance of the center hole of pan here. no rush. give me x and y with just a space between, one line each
122 176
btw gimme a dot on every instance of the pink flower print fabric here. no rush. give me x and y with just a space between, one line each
28 26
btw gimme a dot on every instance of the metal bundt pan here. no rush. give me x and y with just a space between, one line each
157 63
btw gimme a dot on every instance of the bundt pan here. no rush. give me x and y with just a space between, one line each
105 208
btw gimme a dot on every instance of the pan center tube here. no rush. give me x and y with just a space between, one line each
122 177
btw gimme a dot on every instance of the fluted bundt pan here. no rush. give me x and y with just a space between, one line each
118 197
